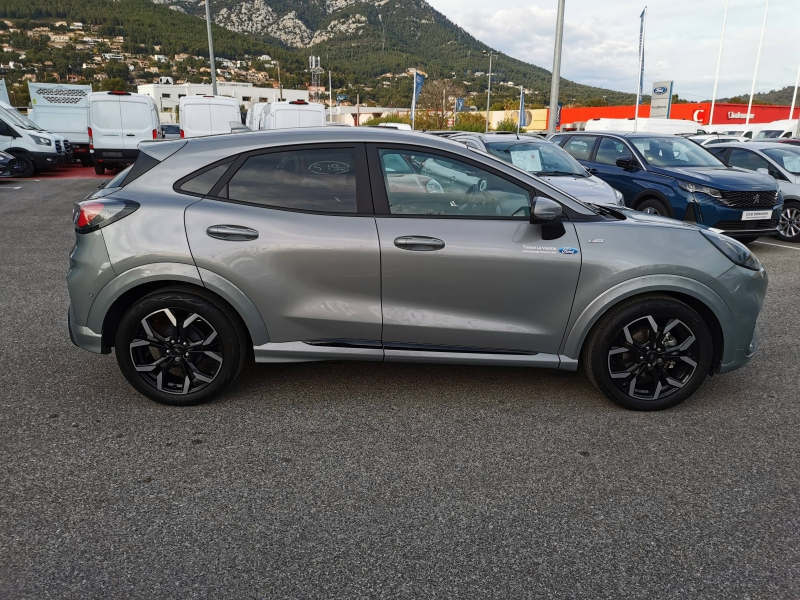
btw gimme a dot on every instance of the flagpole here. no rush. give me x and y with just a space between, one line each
719 61
641 68
794 96
758 59
414 101
521 107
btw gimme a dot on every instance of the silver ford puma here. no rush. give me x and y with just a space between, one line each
363 244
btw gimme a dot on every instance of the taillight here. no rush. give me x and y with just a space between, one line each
91 215
155 134
182 135
91 139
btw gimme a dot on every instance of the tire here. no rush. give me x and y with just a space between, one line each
789 224
99 168
749 239
25 166
85 161
653 206
654 385
198 326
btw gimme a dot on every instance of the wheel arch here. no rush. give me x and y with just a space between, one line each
698 296
651 193
122 292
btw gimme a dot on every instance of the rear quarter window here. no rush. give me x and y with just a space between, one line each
202 183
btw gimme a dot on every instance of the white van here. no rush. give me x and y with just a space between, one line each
207 115
63 110
37 150
253 117
117 122
785 128
288 115
674 126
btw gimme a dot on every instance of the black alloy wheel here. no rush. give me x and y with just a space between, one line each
650 353
23 166
180 348
789 223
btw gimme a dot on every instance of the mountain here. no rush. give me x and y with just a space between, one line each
358 40
367 38
783 96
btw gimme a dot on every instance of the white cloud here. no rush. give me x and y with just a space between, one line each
682 42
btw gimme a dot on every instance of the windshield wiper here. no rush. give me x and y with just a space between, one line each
557 173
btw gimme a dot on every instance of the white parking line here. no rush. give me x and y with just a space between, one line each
777 245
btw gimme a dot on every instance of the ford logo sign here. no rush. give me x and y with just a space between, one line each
567 250
660 90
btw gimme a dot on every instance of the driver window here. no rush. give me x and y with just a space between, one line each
418 183
610 150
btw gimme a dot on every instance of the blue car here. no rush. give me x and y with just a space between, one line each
672 176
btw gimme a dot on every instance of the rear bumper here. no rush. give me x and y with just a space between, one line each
83 337
112 155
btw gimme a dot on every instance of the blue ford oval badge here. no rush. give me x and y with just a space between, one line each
567 250
660 90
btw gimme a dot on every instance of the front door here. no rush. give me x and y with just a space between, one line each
293 229
462 267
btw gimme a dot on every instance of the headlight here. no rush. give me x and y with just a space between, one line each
434 187
42 141
737 253
620 198
699 189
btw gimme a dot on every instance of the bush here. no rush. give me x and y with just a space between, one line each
506 125
466 121
388 119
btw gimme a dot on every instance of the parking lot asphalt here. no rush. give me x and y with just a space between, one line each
361 480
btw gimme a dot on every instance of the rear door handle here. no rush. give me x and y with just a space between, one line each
232 233
419 243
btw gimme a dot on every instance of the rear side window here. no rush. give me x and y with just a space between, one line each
580 146
202 183
321 180
745 159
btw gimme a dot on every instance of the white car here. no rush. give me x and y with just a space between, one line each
782 161
547 161
710 139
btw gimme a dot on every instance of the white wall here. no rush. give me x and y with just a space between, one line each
232 89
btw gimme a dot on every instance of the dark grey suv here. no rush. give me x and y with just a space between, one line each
363 244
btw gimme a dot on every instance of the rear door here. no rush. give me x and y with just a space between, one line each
196 118
105 119
604 165
463 270
301 241
137 120
220 116
581 147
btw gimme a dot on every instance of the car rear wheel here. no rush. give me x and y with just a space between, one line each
789 223
99 167
653 206
649 353
180 348
85 161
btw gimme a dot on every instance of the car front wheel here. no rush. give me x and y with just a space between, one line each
653 206
789 223
649 353
180 347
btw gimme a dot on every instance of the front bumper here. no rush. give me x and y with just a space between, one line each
46 160
728 219
83 337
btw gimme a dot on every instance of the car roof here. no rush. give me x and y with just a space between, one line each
756 145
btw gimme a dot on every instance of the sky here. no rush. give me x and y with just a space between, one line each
601 39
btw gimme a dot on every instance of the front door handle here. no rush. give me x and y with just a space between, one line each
232 233
130 135
419 243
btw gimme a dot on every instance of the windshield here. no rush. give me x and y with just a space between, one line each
674 152
788 158
766 134
539 158
17 118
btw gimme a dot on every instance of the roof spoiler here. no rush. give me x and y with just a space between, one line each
237 127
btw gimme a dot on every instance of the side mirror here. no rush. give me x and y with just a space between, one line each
626 163
547 213
544 210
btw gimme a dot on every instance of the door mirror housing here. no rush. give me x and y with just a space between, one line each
545 210
626 163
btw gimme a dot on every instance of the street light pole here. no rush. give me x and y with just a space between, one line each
489 90
555 83
211 49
